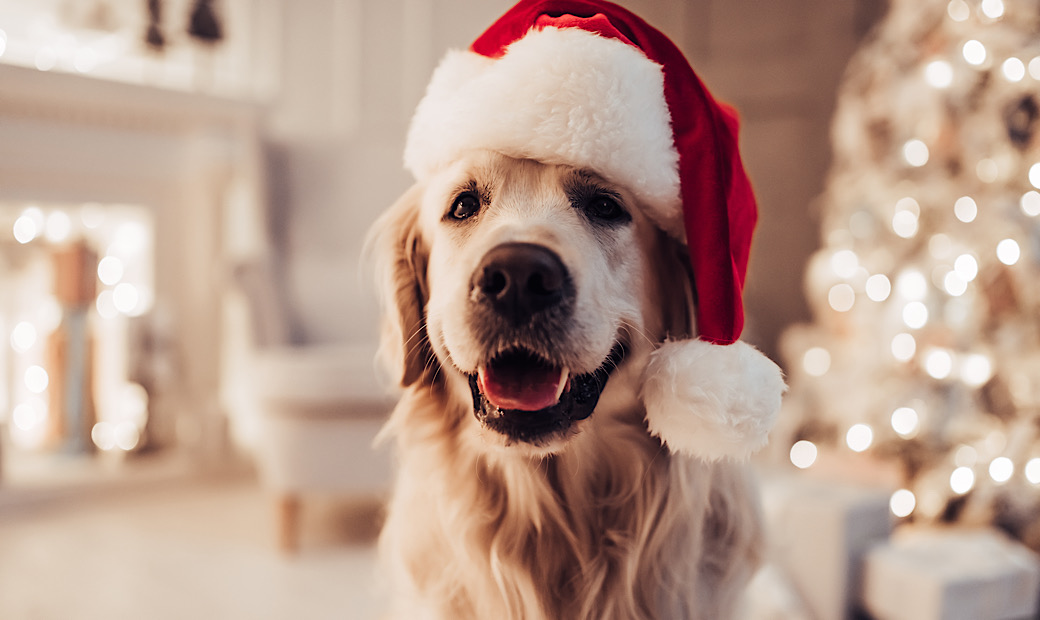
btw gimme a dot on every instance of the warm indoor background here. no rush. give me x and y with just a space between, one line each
187 392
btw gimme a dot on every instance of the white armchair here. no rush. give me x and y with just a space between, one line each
307 413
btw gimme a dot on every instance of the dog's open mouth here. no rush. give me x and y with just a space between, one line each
528 398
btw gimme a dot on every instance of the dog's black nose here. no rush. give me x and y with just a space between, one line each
518 280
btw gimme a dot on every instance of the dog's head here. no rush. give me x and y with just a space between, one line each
524 287
578 188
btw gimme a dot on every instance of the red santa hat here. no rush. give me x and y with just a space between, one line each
590 84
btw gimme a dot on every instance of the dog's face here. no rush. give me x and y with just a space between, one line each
537 283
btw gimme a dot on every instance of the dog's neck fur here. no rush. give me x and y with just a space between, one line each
597 531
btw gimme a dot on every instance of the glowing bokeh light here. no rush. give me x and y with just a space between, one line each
962 480
130 238
987 170
803 454
106 306
104 436
992 9
878 287
125 297
974 52
30 224
27 417
110 270
915 315
1030 203
816 361
976 370
1001 469
58 227
902 503
938 74
903 347
1014 69
904 224
966 456
859 437
915 152
912 285
25 229
954 284
133 402
905 422
965 209
966 267
958 10
49 314
938 363
23 336
1032 471
844 263
126 436
36 379
841 297
1008 252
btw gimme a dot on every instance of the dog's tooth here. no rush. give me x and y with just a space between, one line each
561 386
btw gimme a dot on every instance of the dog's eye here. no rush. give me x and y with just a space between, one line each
464 206
605 208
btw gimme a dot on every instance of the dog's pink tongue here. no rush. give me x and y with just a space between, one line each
520 385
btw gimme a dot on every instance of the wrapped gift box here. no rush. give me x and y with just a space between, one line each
819 532
951 574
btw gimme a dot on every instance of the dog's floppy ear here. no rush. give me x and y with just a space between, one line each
399 258
673 298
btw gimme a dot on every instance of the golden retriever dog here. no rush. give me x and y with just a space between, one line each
532 304
509 278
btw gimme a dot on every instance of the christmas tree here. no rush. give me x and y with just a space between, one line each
924 353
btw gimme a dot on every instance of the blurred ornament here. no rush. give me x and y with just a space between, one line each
203 24
1021 119
154 36
996 399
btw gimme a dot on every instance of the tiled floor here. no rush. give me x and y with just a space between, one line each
185 551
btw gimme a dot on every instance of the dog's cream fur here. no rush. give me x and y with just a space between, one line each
602 523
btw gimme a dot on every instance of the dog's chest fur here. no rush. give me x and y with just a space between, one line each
614 527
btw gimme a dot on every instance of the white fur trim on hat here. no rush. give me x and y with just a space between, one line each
559 95
711 401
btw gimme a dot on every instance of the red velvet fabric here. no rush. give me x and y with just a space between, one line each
719 206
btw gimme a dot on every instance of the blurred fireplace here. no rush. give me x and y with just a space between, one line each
177 174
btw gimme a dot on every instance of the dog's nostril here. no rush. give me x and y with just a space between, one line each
520 279
546 282
537 286
494 283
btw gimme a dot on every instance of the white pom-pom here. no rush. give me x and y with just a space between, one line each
711 401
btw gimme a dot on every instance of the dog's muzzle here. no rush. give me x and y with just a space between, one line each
522 299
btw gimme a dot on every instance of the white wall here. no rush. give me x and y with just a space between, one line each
353 71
